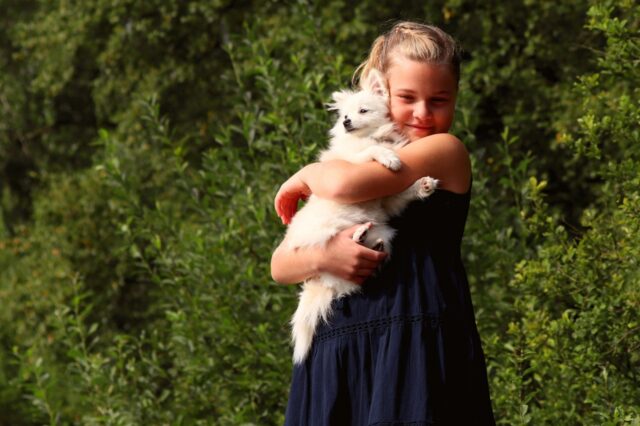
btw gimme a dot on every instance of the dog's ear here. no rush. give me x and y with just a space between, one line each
376 83
338 98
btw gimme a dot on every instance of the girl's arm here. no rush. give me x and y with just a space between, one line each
441 156
341 257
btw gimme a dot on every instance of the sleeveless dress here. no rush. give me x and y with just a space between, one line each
405 350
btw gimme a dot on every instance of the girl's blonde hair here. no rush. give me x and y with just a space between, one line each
415 41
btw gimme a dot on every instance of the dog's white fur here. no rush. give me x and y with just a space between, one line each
363 132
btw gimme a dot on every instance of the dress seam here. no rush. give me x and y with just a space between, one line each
400 423
433 320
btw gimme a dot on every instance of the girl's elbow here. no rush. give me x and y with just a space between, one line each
278 275
280 268
276 278
276 270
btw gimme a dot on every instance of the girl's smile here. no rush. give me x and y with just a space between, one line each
422 97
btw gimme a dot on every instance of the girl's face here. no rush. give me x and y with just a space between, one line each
422 97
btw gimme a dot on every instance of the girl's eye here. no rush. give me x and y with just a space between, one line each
362 110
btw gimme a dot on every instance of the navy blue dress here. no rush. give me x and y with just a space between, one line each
405 350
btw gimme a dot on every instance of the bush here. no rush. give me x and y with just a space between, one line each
137 225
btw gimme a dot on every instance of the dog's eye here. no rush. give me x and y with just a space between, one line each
362 110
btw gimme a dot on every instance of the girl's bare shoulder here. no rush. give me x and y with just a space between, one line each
442 156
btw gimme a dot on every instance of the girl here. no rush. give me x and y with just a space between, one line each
405 350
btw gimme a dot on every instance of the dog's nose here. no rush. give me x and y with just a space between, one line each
347 123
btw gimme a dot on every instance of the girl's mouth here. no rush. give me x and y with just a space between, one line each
426 129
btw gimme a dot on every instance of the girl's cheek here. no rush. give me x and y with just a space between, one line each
398 110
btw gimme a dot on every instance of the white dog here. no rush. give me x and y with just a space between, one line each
362 133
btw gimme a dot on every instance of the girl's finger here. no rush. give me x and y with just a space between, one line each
358 280
368 264
364 275
373 255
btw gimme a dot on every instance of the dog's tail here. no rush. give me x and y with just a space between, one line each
315 303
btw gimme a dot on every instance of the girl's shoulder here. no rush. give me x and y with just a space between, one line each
444 157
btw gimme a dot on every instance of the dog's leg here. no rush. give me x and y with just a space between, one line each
421 188
424 187
385 156
378 237
360 237
361 233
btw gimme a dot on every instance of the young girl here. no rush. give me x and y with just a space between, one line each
404 350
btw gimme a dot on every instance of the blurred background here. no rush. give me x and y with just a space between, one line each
141 146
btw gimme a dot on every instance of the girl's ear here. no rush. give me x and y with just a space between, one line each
338 98
375 82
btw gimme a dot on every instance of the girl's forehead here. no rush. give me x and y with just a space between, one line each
413 75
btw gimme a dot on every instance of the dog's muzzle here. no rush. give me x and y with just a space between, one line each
347 125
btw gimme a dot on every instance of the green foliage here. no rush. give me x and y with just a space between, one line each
575 328
141 144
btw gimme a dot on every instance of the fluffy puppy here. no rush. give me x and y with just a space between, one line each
363 132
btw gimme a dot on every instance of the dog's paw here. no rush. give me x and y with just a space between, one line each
426 186
389 159
379 245
361 233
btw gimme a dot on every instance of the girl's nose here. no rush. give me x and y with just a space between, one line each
421 111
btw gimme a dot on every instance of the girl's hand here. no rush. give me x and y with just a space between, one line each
290 192
347 259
